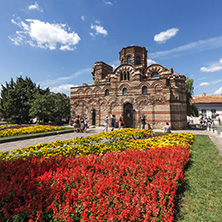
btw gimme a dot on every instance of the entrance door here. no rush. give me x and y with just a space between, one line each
128 115
94 117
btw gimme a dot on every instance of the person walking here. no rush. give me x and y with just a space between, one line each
121 122
219 121
76 124
113 119
143 121
106 124
82 125
85 124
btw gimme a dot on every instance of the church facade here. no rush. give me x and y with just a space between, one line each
133 90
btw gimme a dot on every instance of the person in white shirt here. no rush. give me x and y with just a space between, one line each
167 128
106 124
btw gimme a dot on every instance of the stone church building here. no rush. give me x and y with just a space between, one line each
133 90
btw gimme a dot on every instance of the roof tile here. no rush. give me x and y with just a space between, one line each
207 99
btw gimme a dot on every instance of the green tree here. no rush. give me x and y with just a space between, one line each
61 109
17 98
53 107
8 104
191 108
41 107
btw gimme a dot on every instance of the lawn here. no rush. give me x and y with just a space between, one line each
202 198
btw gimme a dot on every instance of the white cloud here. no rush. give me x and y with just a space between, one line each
44 35
108 3
83 18
64 88
52 82
217 81
201 45
219 91
114 64
213 68
35 6
98 30
67 48
164 36
204 84
150 62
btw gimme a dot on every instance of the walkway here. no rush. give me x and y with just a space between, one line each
47 139
217 140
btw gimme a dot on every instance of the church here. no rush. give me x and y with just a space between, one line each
133 90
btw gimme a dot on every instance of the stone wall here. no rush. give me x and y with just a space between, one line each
120 92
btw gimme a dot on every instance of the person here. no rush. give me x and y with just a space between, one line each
76 124
148 125
121 121
143 120
219 121
166 128
113 122
106 124
205 122
85 124
82 125
201 122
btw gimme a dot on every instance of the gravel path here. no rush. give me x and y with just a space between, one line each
217 140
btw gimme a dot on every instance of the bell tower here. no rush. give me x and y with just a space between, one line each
133 55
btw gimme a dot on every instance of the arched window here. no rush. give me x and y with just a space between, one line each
154 75
144 90
106 92
127 76
129 60
138 60
121 76
124 75
124 91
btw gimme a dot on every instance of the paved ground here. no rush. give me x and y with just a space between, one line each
47 139
217 140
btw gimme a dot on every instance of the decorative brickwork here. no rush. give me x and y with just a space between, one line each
132 90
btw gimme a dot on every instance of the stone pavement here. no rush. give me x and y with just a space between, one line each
47 139
217 140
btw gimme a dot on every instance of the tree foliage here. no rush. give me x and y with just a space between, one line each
191 108
51 107
22 99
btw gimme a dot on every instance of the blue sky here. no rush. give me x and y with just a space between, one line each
57 42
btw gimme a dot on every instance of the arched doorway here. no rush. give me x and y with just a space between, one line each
93 117
128 115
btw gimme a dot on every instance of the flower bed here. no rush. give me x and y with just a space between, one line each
132 180
9 126
27 130
131 186
116 141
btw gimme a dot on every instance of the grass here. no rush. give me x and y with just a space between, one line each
202 196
